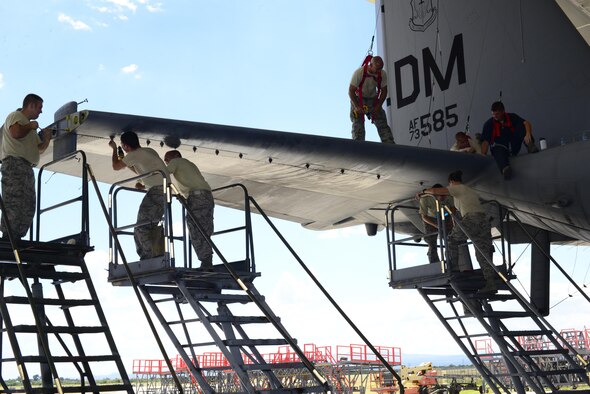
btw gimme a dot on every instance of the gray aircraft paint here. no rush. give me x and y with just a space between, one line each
527 50
326 183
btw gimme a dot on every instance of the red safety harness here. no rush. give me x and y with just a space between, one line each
498 127
377 78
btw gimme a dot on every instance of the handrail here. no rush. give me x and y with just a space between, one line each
504 214
328 296
112 214
249 239
534 241
391 235
251 292
83 198
391 241
42 339
548 256
141 301
442 235
521 299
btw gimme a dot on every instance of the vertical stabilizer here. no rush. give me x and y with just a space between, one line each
447 61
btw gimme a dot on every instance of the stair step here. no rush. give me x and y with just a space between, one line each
48 301
585 391
506 314
10 270
543 352
70 359
525 333
79 389
524 353
255 342
238 319
241 298
90 388
25 328
555 372
573 371
31 258
213 296
210 343
479 335
173 322
495 297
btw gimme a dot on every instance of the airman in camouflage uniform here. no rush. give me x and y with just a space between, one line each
197 193
428 213
143 161
21 149
476 225
370 83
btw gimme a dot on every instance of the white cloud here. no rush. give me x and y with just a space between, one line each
154 7
76 25
120 9
130 69
130 5
1 81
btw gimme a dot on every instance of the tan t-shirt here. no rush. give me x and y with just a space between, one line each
26 147
145 160
466 200
428 205
187 176
370 84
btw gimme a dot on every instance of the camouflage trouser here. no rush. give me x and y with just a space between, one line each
151 209
380 121
200 204
18 194
430 240
479 230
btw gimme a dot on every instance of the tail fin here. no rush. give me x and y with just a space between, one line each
447 61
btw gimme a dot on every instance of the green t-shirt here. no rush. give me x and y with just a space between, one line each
187 176
145 160
466 200
26 147
428 205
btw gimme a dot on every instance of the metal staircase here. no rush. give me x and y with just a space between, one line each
531 355
201 309
66 321
51 316
225 314
504 317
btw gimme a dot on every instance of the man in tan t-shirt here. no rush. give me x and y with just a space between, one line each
197 192
142 161
476 224
21 149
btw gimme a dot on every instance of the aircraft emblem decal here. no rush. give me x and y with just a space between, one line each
423 14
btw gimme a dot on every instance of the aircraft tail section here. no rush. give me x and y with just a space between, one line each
447 61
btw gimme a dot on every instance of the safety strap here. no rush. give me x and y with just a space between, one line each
497 126
359 90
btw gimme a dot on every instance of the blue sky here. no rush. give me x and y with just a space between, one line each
271 64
